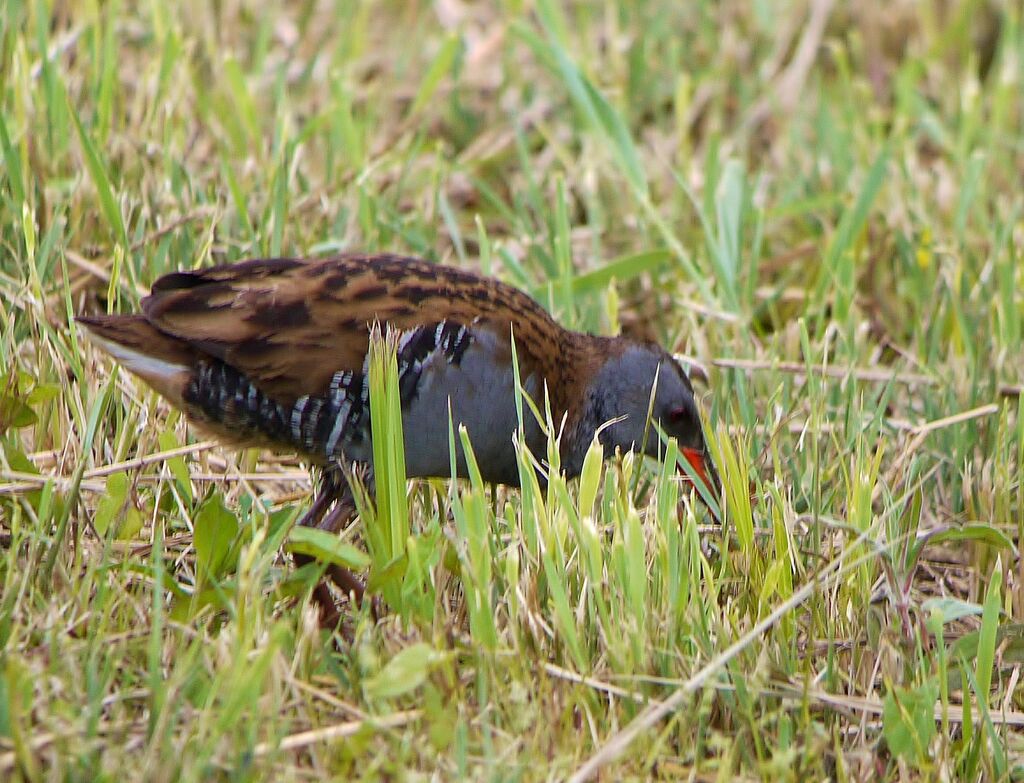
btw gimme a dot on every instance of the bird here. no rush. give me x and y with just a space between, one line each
274 353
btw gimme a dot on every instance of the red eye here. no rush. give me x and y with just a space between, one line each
676 415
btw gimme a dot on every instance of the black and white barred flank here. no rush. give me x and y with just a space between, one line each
417 345
325 425
225 396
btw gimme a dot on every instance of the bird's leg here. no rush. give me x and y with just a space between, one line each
330 490
336 489
338 520
321 503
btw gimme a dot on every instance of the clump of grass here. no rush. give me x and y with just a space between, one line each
819 205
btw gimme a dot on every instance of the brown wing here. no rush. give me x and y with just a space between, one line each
291 324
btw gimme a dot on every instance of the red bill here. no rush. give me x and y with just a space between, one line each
701 467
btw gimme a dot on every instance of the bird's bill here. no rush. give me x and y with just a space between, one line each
701 467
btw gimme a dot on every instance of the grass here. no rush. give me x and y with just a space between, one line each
820 205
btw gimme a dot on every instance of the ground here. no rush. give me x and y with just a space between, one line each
817 205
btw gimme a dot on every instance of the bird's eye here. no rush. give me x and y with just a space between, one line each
676 415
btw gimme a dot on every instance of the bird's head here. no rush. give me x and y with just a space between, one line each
621 392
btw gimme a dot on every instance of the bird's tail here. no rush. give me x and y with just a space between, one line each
162 361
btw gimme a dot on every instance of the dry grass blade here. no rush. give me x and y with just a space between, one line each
337 731
857 373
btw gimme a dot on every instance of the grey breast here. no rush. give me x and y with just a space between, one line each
466 380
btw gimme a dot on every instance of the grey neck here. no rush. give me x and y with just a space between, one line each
578 441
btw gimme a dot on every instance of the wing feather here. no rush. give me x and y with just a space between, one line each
290 324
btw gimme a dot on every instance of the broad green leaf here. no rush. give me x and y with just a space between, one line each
388 576
42 394
986 534
908 721
327 547
14 413
185 606
947 610
168 441
130 524
111 505
215 530
404 673
16 458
